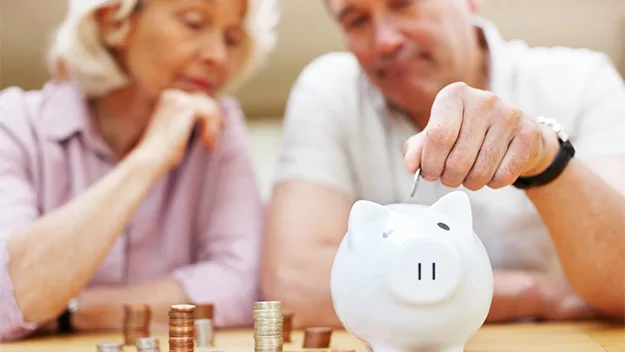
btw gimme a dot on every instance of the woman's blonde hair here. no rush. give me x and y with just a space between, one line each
79 52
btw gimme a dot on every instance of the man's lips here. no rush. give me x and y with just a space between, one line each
399 68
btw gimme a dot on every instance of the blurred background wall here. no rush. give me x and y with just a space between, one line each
305 32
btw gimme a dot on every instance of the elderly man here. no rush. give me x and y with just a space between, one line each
429 85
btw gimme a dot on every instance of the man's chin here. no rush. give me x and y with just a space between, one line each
414 98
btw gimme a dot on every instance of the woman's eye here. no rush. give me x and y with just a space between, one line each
193 20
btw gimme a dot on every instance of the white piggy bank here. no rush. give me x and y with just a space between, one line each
410 277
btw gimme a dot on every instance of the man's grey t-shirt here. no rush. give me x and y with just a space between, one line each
338 133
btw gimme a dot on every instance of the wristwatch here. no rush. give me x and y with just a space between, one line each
565 154
65 320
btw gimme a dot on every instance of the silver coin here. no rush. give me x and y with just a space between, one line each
110 347
415 182
146 342
204 333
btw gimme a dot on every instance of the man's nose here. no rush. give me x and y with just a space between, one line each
388 39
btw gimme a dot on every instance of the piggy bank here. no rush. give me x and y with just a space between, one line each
411 277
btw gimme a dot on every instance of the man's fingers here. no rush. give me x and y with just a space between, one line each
477 120
442 130
512 164
491 154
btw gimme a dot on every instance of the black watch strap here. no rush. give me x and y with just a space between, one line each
565 154
64 322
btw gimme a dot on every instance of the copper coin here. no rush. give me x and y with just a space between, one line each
182 331
317 337
180 315
182 308
204 311
179 322
137 307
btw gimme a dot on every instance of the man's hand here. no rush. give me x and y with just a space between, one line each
522 294
474 138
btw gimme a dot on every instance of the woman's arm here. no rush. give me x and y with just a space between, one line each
60 251
46 260
226 272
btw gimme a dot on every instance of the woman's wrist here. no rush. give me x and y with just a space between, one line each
147 162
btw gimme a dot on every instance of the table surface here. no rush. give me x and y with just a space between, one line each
521 337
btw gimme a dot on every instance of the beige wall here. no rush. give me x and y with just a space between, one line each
306 31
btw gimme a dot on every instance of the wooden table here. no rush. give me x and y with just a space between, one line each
525 337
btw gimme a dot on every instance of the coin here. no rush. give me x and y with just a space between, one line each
136 322
415 182
317 337
109 347
268 326
181 328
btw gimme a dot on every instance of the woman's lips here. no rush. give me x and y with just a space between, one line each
200 84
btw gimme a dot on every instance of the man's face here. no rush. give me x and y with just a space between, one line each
410 49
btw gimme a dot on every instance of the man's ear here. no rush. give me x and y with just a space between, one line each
475 5
111 27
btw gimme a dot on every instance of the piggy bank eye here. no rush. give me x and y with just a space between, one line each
385 234
443 226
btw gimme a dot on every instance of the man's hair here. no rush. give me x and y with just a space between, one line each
79 53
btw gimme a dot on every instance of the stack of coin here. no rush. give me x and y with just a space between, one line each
110 347
287 326
268 326
181 331
317 337
148 344
204 336
136 322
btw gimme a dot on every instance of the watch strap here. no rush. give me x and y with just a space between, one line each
557 166
64 322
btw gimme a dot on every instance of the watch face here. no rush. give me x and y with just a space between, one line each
72 306
555 126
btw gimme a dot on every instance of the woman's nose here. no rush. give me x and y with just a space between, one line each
214 50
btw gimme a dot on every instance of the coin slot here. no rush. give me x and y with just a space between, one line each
419 268
433 271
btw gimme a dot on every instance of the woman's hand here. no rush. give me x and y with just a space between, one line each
167 136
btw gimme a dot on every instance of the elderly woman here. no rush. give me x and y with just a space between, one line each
127 179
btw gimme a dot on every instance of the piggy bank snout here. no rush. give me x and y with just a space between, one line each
425 271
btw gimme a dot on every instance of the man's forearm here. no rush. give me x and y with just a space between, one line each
101 308
586 219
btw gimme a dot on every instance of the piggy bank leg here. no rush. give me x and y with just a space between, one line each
382 348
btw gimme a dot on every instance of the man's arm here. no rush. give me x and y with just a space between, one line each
307 218
306 223
307 213
584 208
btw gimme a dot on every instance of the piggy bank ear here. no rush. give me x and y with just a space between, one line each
456 205
365 219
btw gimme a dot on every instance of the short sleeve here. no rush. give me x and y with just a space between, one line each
600 130
315 140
